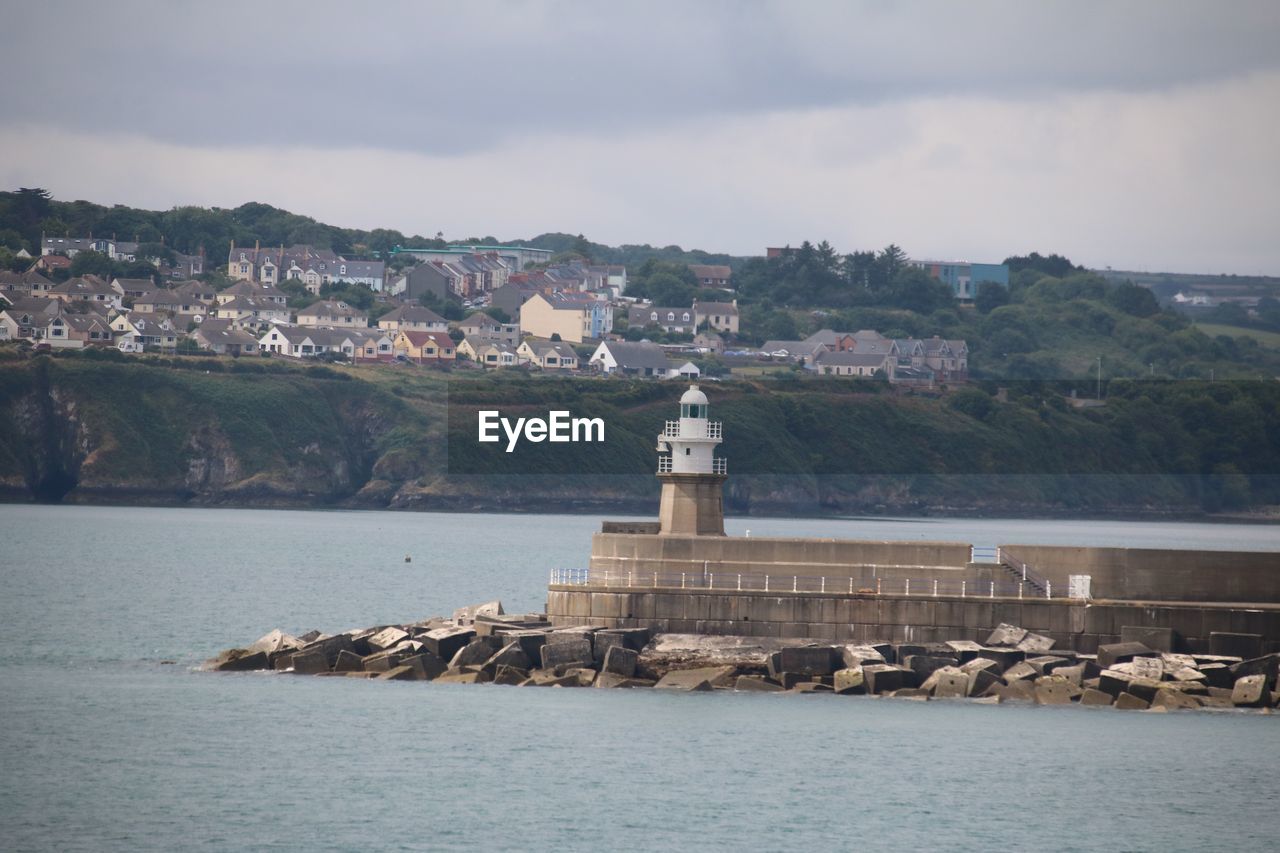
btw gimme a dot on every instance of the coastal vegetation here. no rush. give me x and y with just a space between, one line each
260 432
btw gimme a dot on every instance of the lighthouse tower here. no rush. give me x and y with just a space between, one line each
692 477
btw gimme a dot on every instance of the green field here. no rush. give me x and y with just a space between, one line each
1266 339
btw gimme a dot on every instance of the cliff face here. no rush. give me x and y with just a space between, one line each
124 433
254 433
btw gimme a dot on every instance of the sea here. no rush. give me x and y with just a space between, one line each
110 739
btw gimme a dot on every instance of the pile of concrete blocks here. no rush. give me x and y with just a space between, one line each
482 644
479 644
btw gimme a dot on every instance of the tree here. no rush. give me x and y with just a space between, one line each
916 290
95 263
498 314
1132 299
991 295
666 289
1054 265
891 260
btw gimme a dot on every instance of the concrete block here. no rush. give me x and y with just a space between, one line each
531 642
789 680
948 682
1188 674
381 661
330 646
1092 696
632 638
964 650
1072 674
348 662
1175 700
1250 691
849 681
474 653
812 687
1148 667
511 655
1018 691
755 684
882 678
1021 671
1004 657
1054 691
1113 682
240 660
1035 643
1214 702
620 660
444 643
425 665
570 652
466 615
549 678
399 673
310 662
613 680
509 675
701 679
458 676
1160 639
1113 653
585 676
924 665
814 660
1268 666
1129 702
386 638
1143 688
981 681
277 641
1044 664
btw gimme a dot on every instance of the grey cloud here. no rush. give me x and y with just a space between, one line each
451 78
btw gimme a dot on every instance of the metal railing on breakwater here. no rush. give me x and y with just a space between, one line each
732 582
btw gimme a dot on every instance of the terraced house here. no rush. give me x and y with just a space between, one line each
332 313
574 317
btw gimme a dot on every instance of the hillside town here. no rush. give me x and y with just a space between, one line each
513 307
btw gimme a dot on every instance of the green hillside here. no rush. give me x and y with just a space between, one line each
263 433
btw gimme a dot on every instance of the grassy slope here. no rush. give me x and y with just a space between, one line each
410 430
1267 339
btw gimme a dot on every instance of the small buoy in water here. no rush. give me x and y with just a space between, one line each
408 559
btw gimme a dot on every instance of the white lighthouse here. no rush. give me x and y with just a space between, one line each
692 476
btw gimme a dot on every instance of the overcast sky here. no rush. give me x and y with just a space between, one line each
1126 134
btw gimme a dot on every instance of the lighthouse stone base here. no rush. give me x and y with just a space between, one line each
692 505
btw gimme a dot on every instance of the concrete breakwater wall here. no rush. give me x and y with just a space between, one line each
1127 574
867 617
1150 574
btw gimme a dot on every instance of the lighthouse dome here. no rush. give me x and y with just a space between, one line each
693 397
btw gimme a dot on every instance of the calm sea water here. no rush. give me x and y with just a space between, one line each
104 748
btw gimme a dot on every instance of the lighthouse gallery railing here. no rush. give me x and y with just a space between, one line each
924 587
